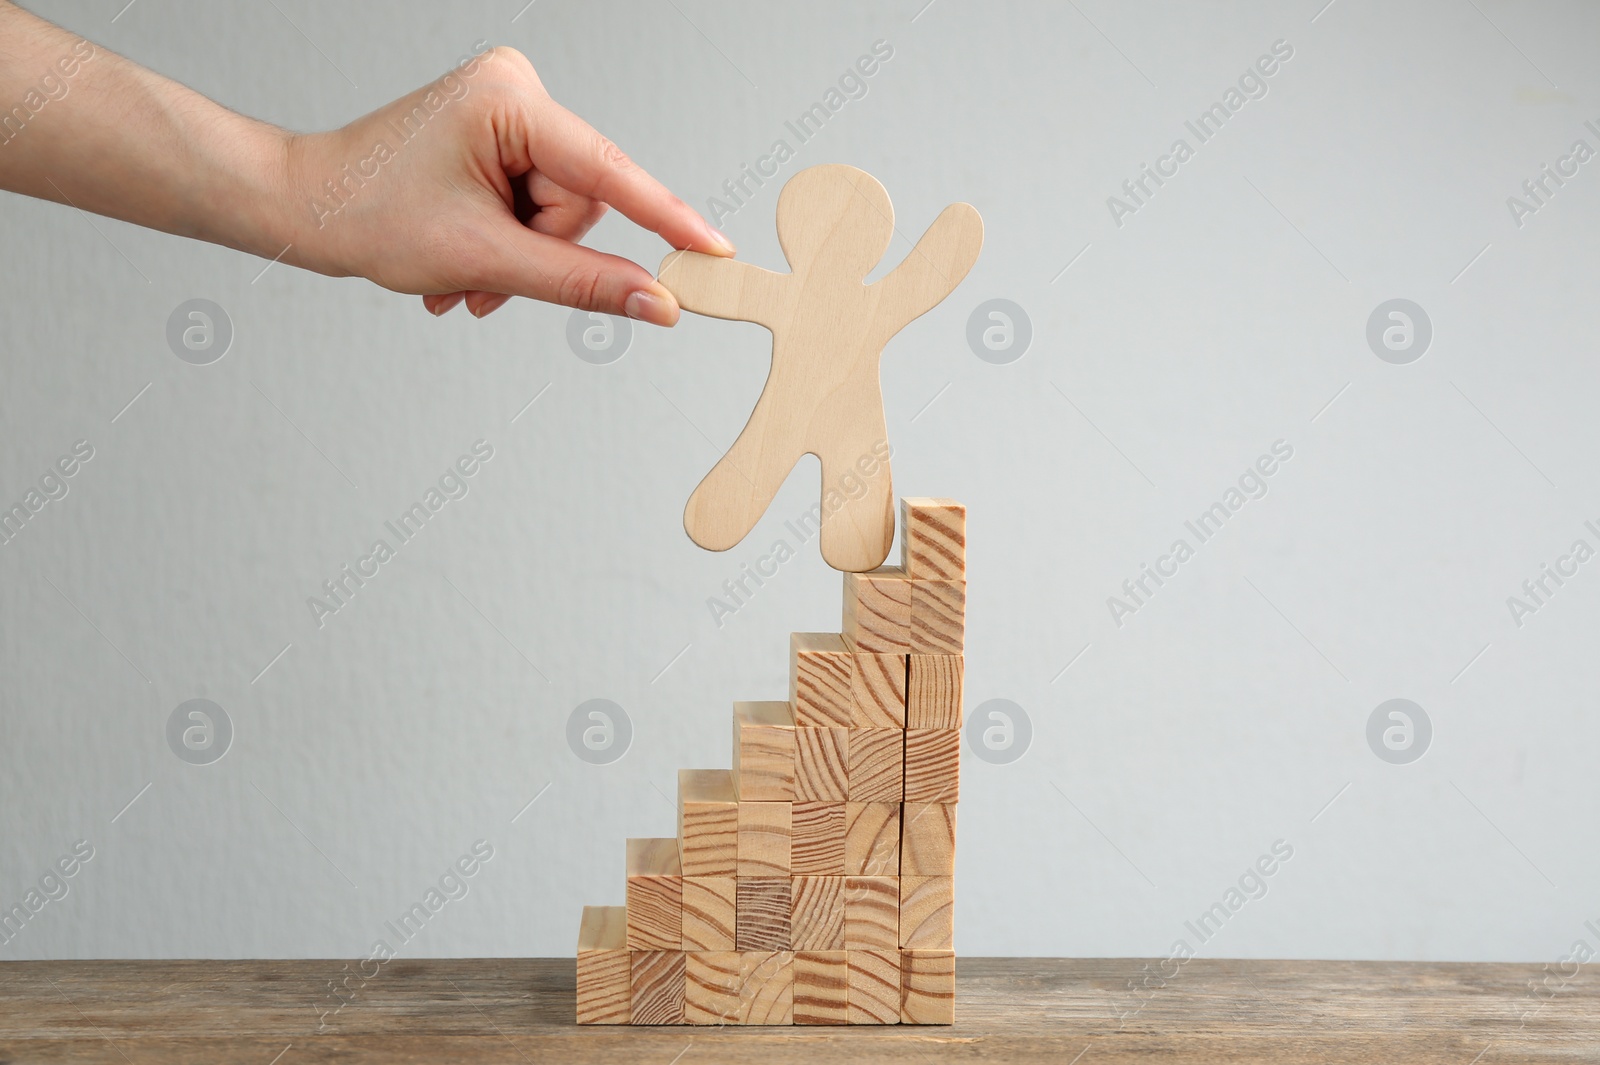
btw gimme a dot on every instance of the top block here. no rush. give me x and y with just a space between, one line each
933 539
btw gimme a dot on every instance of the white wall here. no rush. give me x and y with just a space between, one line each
1222 316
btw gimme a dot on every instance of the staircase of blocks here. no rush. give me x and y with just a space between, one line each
813 881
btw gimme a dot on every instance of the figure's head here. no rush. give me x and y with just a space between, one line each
835 213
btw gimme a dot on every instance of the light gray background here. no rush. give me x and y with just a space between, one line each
1226 314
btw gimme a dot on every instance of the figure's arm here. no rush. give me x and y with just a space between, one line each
935 266
723 288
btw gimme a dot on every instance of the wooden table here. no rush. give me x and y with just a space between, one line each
1008 1010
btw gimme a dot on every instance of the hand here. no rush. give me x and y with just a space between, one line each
486 200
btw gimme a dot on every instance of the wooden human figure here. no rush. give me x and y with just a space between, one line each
822 395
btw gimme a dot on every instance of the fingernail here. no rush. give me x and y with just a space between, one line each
657 308
719 240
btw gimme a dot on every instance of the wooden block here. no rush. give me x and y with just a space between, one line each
605 981
763 751
821 987
872 838
927 912
819 679
655 895
708 822
711 981
878 690
657 986
928 839
877 764
828 327
933 764
933 692
821 762
766 987
762 921
816 913
871 912
708 912
817 839
877 611
874 986
933 539
927 987
764 831
938 617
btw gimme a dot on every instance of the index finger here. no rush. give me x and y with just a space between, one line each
578 158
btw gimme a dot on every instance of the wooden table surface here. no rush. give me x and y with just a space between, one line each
1007 1010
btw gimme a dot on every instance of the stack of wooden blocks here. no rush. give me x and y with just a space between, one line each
814 882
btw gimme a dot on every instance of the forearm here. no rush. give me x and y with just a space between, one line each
84 126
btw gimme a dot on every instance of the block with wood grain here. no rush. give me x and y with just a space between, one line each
819 679
605 980
821 763
708 822
878 690
933 539
765 830
813 882
711 980
877 611
933 765
933 691
817 838
763 751
658 988
709 912
655 895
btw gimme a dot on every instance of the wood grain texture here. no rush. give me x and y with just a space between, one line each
933 538
655 895
708 912
938 617
821 763
871 912
933 691
763 751
711 982
927 912
819 679
872 838
764 835
927 986
817 839
604 972
874 995
658 986
763 905
928 839
877 764
933 765
877 612
821 987
816 913
822 394
1019 1011
766 987
708 822
878 690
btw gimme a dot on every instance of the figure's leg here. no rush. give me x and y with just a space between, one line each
857 495
739 488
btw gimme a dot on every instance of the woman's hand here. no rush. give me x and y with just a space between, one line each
478 188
